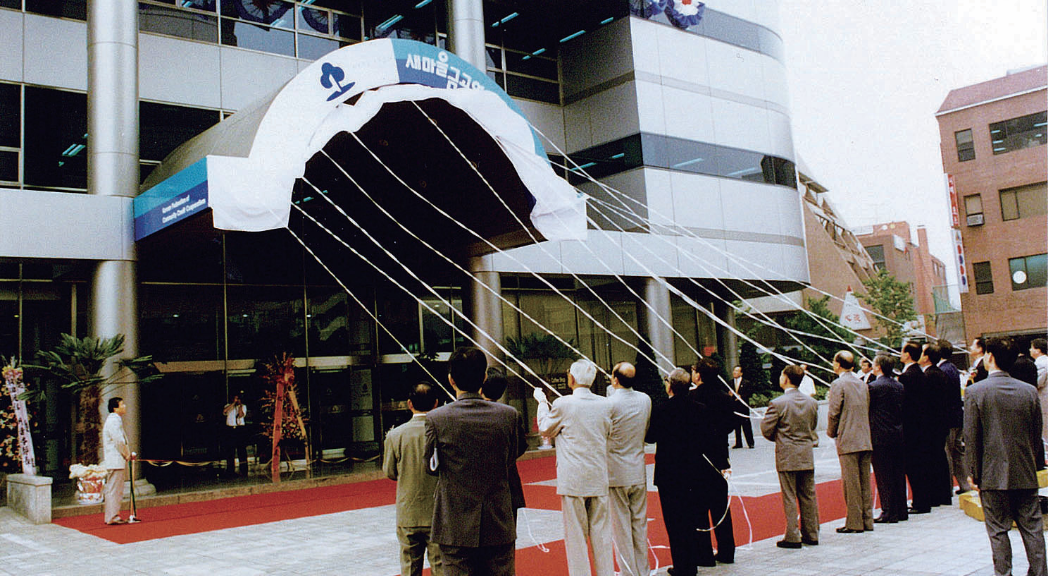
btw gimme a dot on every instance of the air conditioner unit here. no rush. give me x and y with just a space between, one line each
975 219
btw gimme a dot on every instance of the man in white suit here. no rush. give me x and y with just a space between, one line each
115 455
627 473
581 423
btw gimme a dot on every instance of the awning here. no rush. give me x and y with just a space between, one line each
243 170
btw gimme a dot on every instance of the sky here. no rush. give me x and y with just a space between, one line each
866 78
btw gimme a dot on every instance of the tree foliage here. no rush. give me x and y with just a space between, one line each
79 366
827 335
893 301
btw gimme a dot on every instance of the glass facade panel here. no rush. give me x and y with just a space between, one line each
314 20
437 335
8 166
404 20
75 9
9 318
348 27
165 127
877 254
265 321
10 115
181 322
330 323
685 322
13 4
983 277
256 37
314 48
271 12
1018 133
272 257
177 22
522 87
401 317
55 146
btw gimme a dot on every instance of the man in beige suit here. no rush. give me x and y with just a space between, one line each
404 461
581 423
790 422
627 471
849 424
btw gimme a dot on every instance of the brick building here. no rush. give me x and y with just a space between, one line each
992 137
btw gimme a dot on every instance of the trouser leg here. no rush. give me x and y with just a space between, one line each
600 535
747 429
639 512
809 505
413 540
788 484
866 493
998 520
496 560
1026 510
679 513
627 513
719 511
955 455
456 560
113 494
852 491
576 526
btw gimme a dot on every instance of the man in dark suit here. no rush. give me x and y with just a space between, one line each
742 389
494 387
688 456
977 372
939 389
1024 370
471 445
954 416
886 434
790 422
916 427
866 371
710 391
1002 424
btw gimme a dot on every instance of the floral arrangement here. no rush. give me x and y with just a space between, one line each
10 461
89 472
292 420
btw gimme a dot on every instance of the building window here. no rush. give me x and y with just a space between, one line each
877 254
75 9
965 146
1018 133
55 149
973 210
10 131
1024 201
1029 271
983 278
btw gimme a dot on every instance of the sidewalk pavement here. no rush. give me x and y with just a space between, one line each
362 542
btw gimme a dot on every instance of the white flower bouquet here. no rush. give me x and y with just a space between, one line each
90 481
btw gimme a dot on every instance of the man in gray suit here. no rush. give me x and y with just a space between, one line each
849 424
581 423
1002 436
790 422
471 444
404 462
627 471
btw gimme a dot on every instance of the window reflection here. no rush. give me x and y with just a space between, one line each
1018 133
256 37
55 138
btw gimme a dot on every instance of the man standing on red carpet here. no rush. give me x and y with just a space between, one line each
471 444
849 424
404 461
115 455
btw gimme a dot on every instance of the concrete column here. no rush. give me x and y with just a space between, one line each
484 308
727 341
659 334
466 31
112 170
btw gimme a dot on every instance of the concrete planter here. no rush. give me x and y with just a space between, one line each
30 496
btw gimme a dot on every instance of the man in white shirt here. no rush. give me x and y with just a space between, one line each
581 424
115 455
627 471
236 440
807 384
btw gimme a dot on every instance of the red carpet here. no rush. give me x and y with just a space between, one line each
765 514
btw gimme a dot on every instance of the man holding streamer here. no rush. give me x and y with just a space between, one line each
627 473
710 390
849 424
581 423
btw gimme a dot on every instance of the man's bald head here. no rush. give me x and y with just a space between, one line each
623 375
845 359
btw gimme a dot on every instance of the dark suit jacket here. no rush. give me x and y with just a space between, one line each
682 432
476 444
741 406
886 401
1002 433
1025 370
938 390
915 425
719 404
954 404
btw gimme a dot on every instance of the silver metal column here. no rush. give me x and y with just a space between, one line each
659 334
485 309
466 31
112 170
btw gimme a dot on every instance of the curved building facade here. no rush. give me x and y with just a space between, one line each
682 110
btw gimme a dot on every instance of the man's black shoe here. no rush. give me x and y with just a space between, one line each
846 530
809 542
724 559
787 544
918 510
